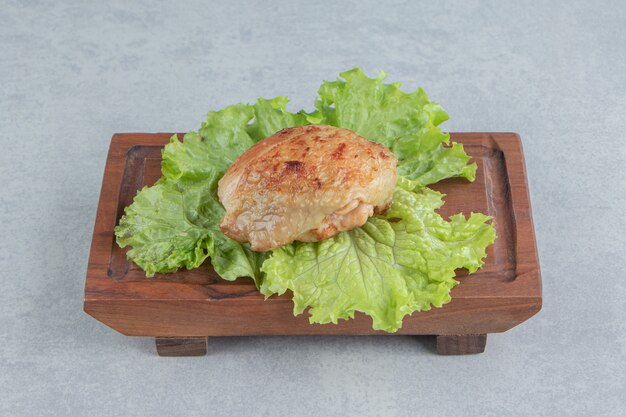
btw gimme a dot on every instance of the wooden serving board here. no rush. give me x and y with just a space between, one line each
183 308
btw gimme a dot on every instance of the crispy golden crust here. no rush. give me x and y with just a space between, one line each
305 183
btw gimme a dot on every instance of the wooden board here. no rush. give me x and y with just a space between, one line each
504 293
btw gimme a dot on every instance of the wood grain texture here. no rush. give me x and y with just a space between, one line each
504 293
464 344
181 346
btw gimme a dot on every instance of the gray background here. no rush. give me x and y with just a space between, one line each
71 75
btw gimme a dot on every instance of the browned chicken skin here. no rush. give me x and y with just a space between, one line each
305 183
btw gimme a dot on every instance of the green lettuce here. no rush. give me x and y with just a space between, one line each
174 224
270 116
404 122
160 234
394 265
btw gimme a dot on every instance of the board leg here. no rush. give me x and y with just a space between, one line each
461 344
181 346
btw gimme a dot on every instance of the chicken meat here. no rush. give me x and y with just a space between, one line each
305 183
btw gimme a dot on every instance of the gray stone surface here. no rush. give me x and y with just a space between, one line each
71 74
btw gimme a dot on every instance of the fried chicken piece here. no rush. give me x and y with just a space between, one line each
305 183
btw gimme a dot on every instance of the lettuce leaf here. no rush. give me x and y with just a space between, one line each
392 266
270 116
205 155
161 236
404 122
174 223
